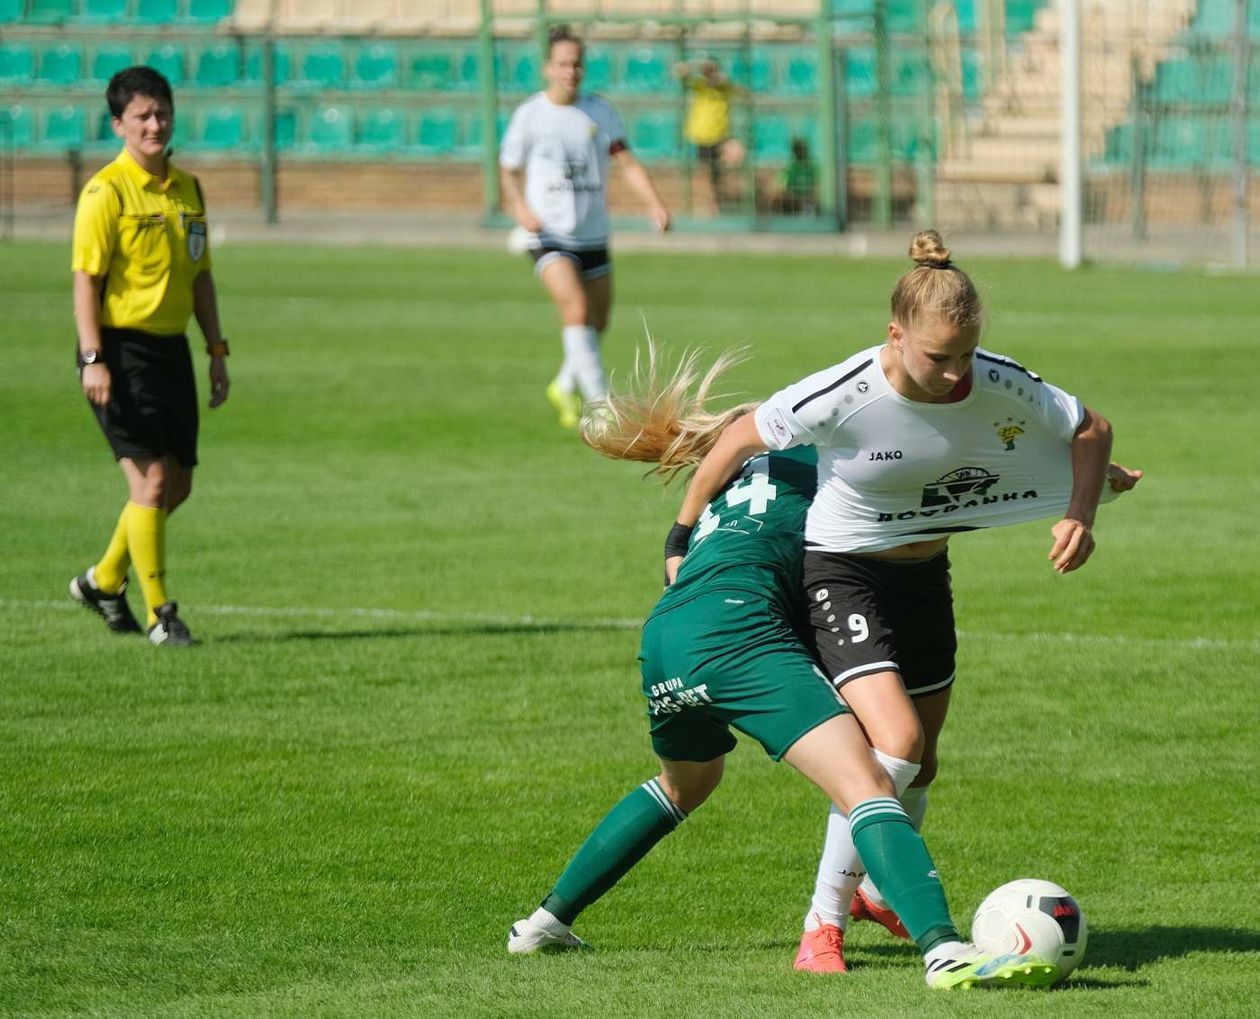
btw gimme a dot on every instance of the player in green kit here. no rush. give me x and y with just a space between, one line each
719 650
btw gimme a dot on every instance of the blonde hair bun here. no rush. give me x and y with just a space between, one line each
928 248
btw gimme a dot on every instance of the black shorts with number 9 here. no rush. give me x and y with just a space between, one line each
879 615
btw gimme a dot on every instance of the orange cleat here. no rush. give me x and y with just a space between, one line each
862 908
822 951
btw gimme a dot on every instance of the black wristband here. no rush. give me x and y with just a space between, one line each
678 539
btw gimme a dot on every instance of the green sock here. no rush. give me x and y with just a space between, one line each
619 841
899 864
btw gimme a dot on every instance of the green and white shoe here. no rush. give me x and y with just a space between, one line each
527 937
962 965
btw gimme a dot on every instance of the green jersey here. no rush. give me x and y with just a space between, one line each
751 536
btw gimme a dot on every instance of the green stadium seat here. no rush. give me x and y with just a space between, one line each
324 66
526 73
801 75
972 69
331 129
910 74
377 66
64 128
49 12
863 142
1208 81
432 70
772 139
217 66
647 70
17 64
904 17
1020 15
383 130
286 129
966 10
753 71
61 65
470 69
156 12
859 71
472 133
208 11
103 10
17 128
437 132
654 136
1118 145
109 59
12 10
181 130
168 60
599 70
222 128
254 64
1187 142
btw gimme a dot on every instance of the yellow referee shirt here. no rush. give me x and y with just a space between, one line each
709 118
147 237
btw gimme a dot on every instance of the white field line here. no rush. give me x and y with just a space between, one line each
623 623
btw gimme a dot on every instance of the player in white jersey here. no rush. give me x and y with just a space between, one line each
554 163
918 439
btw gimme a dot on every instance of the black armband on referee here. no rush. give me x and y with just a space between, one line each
678 539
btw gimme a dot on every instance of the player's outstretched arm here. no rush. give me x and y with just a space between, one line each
738 441
1091 457
641 182
512 187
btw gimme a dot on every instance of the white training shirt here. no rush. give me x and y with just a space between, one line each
564 151
892 471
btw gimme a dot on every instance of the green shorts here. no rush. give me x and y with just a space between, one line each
729 658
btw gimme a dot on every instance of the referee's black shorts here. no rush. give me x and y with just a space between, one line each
152 410
872 615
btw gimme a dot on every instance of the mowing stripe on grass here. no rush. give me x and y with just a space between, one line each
615 623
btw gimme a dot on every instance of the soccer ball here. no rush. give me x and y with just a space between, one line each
1032 917
519 240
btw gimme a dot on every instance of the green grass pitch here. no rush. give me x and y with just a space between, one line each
417 688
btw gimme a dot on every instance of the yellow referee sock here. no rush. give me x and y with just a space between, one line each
111 571
146 538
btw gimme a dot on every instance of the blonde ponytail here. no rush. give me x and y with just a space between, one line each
662 418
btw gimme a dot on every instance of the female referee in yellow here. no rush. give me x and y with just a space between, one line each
141 266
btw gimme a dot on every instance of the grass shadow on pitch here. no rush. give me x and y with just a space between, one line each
396 632
1133 949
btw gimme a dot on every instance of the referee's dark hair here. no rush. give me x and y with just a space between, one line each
562 33
139 80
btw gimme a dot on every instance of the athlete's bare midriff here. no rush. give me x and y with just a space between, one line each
916 550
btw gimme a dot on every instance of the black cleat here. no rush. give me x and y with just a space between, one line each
169 630
112 608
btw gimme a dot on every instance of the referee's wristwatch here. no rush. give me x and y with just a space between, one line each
87 357
219 349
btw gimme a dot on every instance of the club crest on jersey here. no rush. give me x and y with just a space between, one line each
196 240
1008 431
956 486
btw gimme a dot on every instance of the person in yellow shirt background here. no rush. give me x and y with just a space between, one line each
708 123
141 267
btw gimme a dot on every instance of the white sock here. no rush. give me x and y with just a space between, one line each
582 362
914 799
541 918
901 772
839 873
840 870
